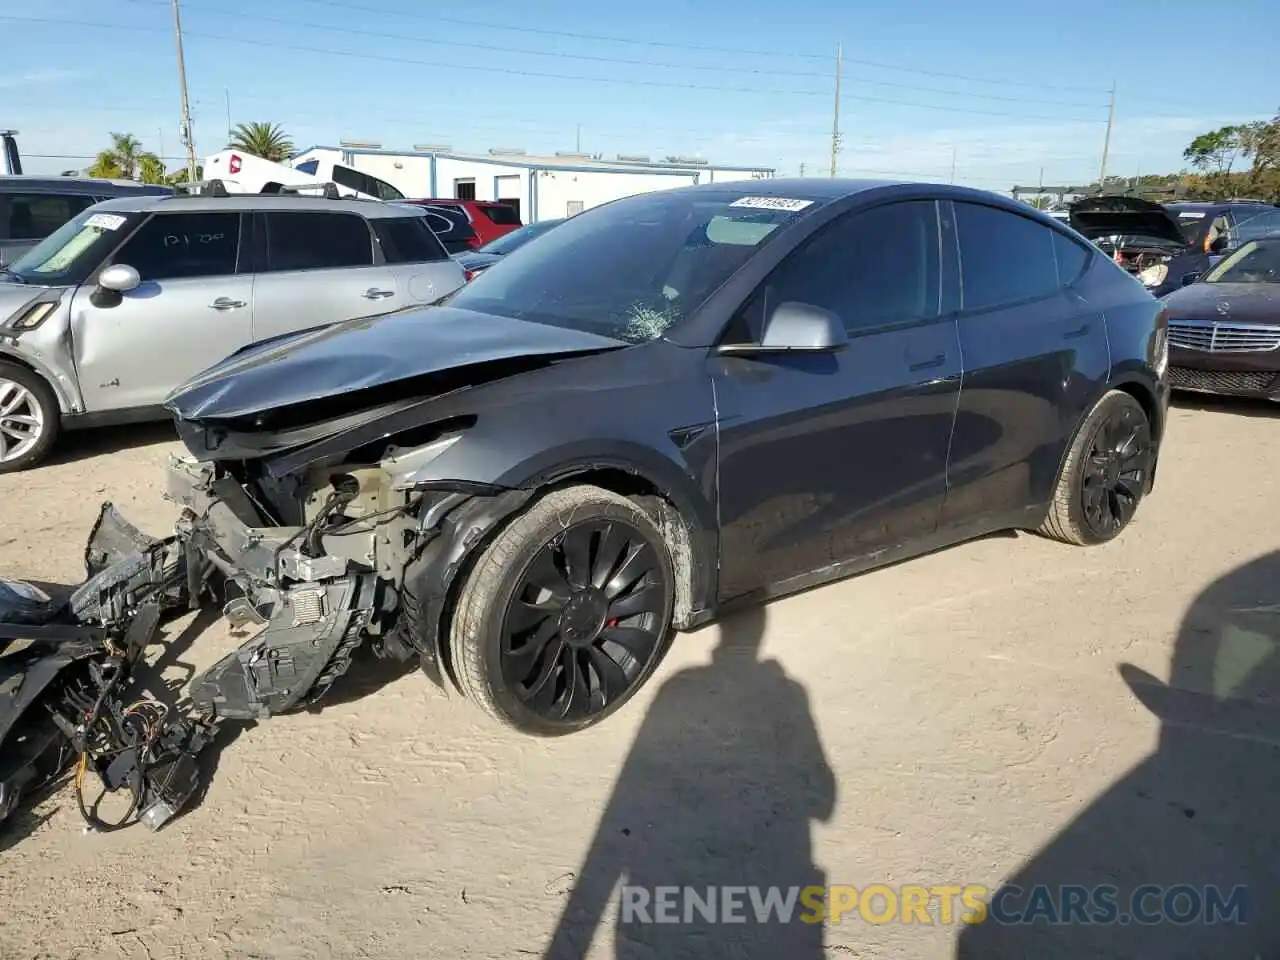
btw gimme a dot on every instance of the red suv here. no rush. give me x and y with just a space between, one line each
490 219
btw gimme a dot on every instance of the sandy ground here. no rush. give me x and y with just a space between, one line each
995 710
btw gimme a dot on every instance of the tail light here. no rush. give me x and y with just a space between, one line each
470 275
234 164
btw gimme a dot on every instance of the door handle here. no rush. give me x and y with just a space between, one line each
373 293
932 362
226 303
1072 335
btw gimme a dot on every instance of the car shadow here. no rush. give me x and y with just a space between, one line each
719 790
1189 833
76 445
1239 406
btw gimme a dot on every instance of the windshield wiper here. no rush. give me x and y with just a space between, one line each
6 272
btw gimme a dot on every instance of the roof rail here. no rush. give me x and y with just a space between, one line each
327 190
202 188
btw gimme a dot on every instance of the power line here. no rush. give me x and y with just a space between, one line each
668 44
384 58
591 58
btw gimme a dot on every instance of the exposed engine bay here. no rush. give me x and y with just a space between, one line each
312 565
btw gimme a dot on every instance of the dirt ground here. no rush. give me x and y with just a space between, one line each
1009 708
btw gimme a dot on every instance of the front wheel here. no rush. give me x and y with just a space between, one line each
565 614
1105 475
28 418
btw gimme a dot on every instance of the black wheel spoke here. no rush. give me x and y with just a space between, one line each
634 644
541 693
544 574
643 598
524 616
576 548
612 547
577 694
612 679
638 562
522 658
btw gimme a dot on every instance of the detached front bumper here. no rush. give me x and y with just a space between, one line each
311 613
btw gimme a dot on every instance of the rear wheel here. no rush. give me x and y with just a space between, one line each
28 418
566 613
1105 475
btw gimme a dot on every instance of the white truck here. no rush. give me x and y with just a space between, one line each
242 172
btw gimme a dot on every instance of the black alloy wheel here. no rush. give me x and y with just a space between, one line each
1105 474
1116 471
565 613
585 620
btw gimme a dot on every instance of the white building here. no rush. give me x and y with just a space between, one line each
541 188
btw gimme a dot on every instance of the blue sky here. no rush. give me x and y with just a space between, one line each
992 85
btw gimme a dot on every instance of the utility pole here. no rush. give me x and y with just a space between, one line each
835 122
1106 141
802 168
185 128
578 147
227 91
953 163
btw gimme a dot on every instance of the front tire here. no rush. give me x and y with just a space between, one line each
29 418
1105 475
565 614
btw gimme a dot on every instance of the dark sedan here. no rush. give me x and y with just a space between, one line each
668 404
1224 332
476 261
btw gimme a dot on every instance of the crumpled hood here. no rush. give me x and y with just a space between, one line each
1096 217
1226 302
361 354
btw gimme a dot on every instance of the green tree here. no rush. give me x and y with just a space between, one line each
124 159
1214 152
151 170
265 140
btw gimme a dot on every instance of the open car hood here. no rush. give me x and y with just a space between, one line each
1096 217
359 363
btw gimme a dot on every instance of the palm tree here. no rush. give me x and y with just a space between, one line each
265 140
151 169
124 159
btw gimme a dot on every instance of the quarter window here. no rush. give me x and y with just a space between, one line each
174 246
1071 258
370 186
871 268
1005 258
317 241
407 240
1257 226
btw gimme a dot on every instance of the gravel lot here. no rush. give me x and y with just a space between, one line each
998 710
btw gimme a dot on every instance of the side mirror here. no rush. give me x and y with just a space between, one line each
1189 278
795 327
121 278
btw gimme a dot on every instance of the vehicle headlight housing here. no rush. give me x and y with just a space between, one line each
1154 275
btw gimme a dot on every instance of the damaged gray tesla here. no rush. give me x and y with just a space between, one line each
666 405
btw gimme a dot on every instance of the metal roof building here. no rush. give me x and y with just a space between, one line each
540 187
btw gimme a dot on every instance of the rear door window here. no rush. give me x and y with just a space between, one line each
1254 225
317 241
1005 258
33 216
1071 258
407 240
505 215
176 246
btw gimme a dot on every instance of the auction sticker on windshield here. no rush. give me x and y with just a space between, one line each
106 221
772 203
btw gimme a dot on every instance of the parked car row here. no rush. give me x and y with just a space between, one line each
1217 267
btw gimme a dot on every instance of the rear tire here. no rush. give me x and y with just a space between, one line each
566 614
29 418
1105 474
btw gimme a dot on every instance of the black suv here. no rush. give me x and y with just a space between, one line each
1168 246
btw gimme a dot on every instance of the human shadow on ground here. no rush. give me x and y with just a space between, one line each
76 445
1196 821
719 790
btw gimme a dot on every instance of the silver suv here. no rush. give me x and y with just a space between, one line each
102 319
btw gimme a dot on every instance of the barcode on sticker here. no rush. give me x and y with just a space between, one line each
772 203
107 221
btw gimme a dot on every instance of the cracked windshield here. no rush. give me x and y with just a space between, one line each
635 268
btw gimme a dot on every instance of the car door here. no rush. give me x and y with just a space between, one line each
1035 355
191 309
318 267
825 458
423 268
